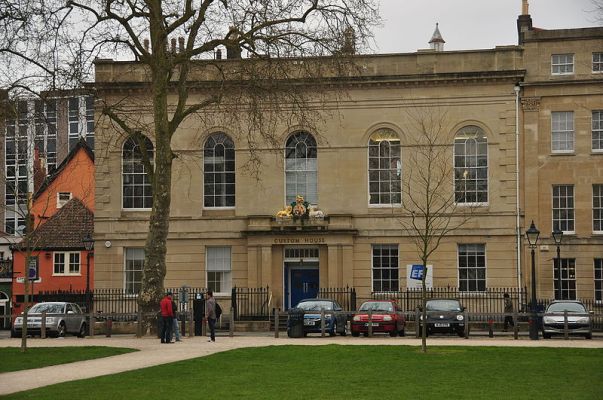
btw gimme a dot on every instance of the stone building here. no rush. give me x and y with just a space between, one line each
495 108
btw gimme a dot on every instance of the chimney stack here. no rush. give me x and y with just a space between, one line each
181 44
173 43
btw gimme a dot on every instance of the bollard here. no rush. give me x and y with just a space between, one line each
466 319
232 323
204 327
139 324
490 331
43 326
515 326
108 326
565 327
191 325
370 323
277 321
322 323
417 323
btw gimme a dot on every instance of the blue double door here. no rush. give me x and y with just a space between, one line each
301 282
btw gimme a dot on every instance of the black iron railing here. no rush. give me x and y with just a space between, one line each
251 304
345 296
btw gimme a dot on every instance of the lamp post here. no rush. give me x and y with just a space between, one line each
532 234
557 236
89 246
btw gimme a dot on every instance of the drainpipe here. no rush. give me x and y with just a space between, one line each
517 89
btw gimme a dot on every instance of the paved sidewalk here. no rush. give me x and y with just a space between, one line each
153 353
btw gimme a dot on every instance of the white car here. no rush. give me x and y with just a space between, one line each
578 319
61 318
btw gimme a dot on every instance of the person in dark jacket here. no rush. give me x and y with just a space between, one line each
167 315
508 312
210 314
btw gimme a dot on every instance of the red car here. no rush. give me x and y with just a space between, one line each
386 317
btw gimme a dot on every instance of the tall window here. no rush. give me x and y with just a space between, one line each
597 62
563 208
385 168
597 131
471 165
562 132
133 266
472 267
136 185
219 171
385 268
599 279
568 278
81 120
598 208
301 168
66 263
562 64
218 266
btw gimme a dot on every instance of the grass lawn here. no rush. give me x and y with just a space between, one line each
36 357
355 372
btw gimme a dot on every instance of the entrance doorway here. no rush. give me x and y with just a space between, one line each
4 311
301 275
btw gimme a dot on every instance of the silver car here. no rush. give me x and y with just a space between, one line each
578 319
61 318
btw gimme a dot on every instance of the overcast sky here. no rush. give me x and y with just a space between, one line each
471 24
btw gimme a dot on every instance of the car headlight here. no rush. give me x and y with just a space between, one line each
387 317
548 320
356 317
50 320
19 320
421 317
582 320
460 317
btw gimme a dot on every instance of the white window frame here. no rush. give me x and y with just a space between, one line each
567 265
221 266
597 131
475 250
63 198
135 253
598 208
463 173
220 190
562 132
597 63
560 64
395 269
557 207
144 184
67 263
392 158
309 173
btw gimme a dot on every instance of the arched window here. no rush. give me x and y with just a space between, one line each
136 186
471 165
301 168
385 168
219 171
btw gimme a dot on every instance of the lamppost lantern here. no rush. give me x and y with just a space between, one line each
88 242
532 234
557 236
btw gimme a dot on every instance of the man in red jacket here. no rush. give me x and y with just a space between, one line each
167 315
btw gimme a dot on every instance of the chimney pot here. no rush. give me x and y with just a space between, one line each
173 43
181 44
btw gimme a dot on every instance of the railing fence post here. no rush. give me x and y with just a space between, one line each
322 323
139 325
370 323
277 321
565 326
231 326
417 323
43 326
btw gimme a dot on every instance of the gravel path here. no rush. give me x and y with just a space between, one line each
153 353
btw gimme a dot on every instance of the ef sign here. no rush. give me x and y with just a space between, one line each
416 272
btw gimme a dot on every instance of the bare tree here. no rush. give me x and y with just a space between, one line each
174 43
429 205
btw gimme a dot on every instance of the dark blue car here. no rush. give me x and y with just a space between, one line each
335 318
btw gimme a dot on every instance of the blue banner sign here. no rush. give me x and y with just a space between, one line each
417 272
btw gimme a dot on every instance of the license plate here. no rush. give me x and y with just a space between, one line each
441 325
308 322
372 324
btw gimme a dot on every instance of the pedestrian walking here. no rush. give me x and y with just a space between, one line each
210 314
175 323
167 316
508 312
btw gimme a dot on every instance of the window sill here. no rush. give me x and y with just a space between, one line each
66 275
563 153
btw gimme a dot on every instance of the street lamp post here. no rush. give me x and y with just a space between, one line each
532 234
557 236
89 246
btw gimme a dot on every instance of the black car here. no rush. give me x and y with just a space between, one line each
335 318
445 316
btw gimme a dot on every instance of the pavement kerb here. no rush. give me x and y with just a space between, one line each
152 352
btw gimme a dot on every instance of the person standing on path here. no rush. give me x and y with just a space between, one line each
508 312
167 315
175 319
210 314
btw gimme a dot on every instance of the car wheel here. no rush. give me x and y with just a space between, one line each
460 333
401 332
355 334
344 331
365 334
13 334
393 334
333 331
62 330
82 332
589 335
546 335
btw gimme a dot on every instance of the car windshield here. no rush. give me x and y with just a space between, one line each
315 305
570 307
377 306
443 305
50 308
